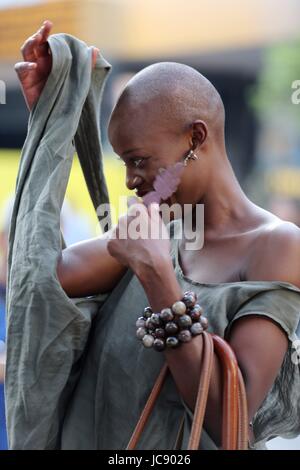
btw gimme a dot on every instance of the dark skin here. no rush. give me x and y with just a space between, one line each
242 242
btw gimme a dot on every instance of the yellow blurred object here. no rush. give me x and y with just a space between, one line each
77 193
283 181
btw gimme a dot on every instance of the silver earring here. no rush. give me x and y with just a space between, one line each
190 156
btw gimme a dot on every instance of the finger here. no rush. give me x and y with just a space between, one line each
23 68
135 207
154 213
45 30
131 200
28 49
154 210
95 53
158 228
133 210
114 233
42 47
42 50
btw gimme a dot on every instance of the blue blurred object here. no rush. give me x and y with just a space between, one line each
3 435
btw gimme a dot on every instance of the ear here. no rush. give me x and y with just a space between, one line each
199 133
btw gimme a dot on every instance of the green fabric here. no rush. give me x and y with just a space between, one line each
224 303
46 330
118 372
77 377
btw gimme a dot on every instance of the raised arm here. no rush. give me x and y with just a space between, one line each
85 268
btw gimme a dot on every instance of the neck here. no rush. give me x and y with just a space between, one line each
226 207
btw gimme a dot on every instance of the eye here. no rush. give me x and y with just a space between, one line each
138 162
135 162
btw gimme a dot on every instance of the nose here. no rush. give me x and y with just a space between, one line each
133 181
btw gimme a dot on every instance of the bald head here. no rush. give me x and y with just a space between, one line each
175 95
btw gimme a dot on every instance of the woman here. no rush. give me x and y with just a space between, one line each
247 273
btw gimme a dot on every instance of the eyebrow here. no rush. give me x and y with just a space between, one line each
129 151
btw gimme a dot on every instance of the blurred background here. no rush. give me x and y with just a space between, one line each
249 49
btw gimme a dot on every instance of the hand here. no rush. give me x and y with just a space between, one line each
131 242
35 69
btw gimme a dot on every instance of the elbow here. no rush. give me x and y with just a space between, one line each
61 274
59 269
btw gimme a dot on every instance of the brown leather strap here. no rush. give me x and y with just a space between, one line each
179 438
230 393
202 395
243 434
235 411
148 408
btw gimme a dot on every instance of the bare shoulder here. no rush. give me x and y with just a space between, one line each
276 253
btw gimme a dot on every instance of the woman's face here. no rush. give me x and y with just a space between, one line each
145 148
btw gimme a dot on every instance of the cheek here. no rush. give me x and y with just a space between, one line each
151 173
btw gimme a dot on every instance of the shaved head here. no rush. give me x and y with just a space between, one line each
175 95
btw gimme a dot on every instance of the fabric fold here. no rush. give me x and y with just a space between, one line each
47 331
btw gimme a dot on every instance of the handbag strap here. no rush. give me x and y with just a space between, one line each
206 370
203 389
148 408
235 409
235 414
230 393
243 434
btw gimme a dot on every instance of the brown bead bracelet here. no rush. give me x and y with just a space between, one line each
172 326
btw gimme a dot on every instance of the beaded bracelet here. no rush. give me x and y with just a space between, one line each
172 326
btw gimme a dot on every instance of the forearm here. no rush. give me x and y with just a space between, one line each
160 284
162 289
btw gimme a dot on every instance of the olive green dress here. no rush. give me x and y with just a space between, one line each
76 376
118 372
